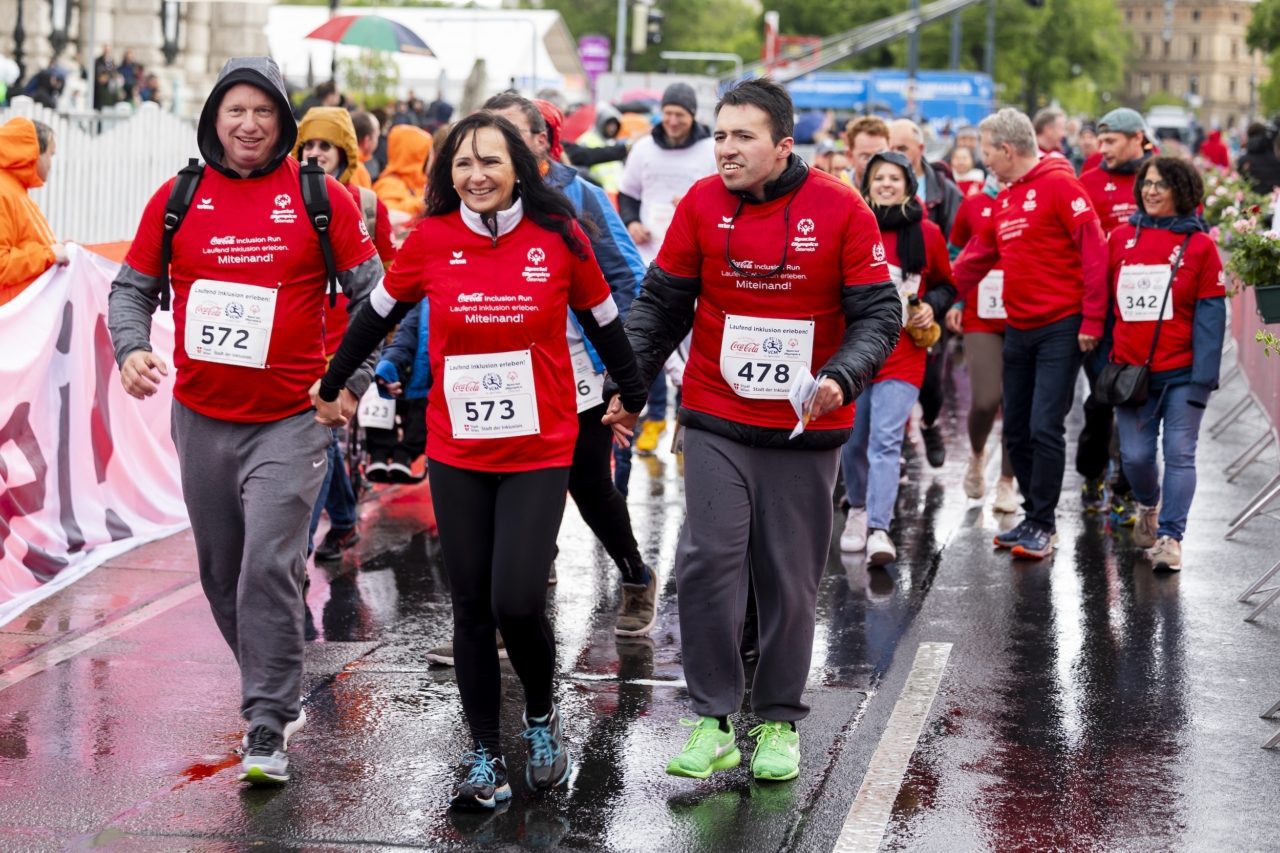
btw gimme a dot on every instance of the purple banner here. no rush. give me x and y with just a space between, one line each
594 53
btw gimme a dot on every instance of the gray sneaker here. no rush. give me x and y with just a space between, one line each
639 608
443 655
291 728
549 762
265 761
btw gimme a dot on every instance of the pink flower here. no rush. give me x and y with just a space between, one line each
1214 233
1272 235
1241 226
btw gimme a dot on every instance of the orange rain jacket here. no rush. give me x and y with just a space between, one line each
402 184
25 236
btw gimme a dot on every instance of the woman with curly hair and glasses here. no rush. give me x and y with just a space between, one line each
1170 314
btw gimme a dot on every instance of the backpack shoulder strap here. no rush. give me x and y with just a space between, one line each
175 210
315 197
369 209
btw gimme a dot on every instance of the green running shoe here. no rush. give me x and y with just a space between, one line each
777 756
707 749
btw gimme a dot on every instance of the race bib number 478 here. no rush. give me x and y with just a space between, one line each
760 357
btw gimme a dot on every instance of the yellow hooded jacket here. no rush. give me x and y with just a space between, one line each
333 125
402 185
25 236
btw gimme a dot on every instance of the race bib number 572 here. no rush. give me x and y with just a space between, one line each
229 323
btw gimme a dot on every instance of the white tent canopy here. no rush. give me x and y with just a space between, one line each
530 47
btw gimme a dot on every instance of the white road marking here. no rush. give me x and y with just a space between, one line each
873 806
71 648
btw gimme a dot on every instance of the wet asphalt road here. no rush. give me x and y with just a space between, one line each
1088 703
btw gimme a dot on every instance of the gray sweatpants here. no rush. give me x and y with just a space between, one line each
249 489
767 512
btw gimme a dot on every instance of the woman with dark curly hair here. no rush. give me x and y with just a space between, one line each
500 259
1170 314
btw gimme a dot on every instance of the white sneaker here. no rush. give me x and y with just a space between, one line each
1006 496
1144 529
880 550
854 537
1166 554
975 479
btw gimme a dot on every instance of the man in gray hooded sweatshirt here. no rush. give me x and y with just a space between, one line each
249 296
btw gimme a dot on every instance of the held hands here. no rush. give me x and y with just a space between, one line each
955 321
337 413
140 373
622 421
1087 343
60 254
395 389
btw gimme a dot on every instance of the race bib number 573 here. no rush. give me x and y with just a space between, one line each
491 395
760 357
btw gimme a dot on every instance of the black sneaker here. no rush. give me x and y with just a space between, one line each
265 760
335 542
378 472
1093 495
485 783
549 763
935 448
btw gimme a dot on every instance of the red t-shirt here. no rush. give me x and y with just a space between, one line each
1199 277
829 239
1112 197
974 215
335 319
1035 220
488 297
906 362
253 232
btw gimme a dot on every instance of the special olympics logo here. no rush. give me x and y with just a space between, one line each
773 346
512 376
537 256
1079 205
283 201
805 226
492 382
877 253
235 310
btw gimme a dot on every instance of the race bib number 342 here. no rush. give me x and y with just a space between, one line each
760 357
229 323
491 395
1140 291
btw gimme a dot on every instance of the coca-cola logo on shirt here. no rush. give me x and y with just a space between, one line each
744 346
466 386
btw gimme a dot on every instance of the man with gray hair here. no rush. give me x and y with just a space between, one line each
938 193
1046 236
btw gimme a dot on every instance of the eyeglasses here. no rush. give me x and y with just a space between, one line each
1158 186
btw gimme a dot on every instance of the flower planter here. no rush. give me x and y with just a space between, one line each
1268 303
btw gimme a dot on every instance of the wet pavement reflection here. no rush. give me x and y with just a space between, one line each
1089 703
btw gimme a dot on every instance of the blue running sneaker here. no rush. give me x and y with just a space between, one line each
549 763
485 784
1035 544
1013 536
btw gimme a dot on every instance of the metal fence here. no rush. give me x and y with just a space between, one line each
106 167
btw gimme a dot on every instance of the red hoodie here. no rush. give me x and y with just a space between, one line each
1048 242
1112 196
1215 150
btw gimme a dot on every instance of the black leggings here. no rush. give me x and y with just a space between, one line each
932 394
599 502
498 534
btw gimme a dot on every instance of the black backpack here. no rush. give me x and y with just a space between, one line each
315 197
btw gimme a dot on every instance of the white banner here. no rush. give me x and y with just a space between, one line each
86 471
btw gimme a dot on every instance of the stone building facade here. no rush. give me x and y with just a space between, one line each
208 33
1195 50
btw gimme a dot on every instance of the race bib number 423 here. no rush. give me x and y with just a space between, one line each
491 395
760 357
229 323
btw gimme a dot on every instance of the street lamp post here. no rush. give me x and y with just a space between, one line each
19 36
58 12
169 17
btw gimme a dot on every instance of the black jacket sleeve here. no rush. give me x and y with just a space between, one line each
873 314
610 341
940 298
366 330
628 208
584 156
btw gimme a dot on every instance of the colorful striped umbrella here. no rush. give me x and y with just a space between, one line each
371 31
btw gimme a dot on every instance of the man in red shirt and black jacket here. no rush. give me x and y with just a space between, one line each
1046 236
779 272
